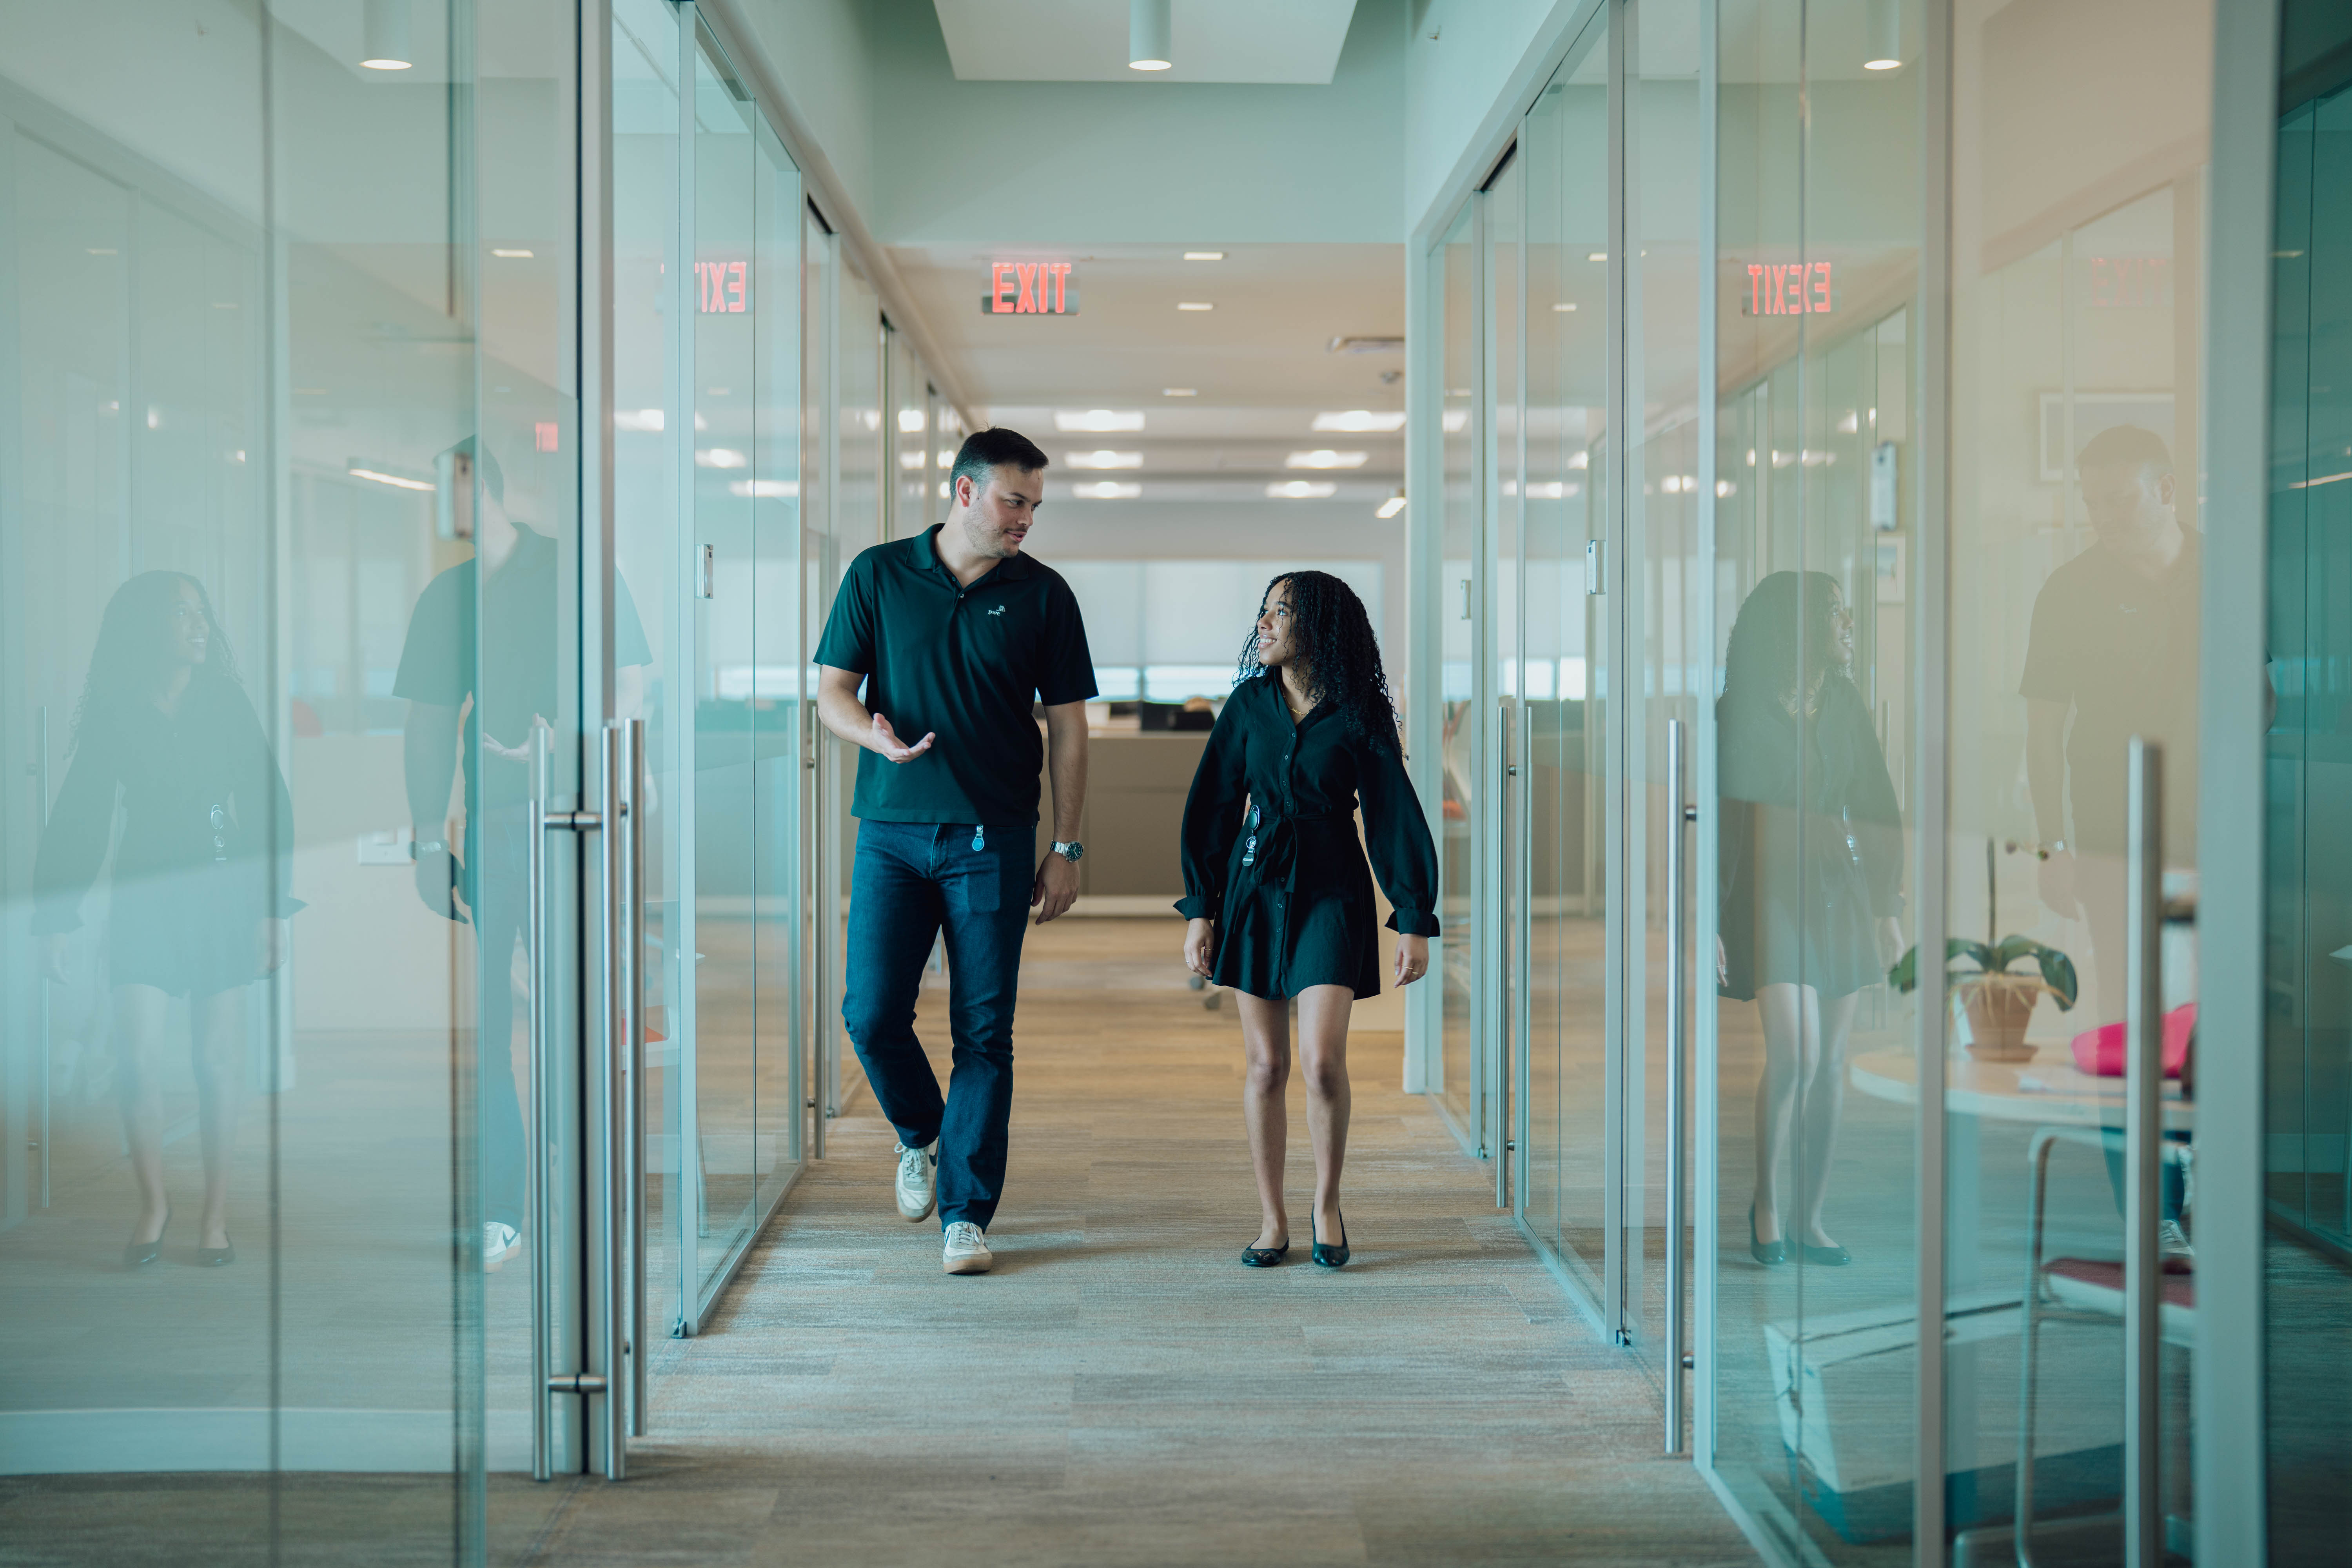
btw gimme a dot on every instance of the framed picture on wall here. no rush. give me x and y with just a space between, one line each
2094 412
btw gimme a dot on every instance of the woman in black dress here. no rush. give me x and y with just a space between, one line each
1811 880
1276 895
200 892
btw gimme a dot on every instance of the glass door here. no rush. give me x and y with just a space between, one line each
1458 1078
1563 1069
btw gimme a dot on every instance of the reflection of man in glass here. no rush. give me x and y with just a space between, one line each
2114 649
498 705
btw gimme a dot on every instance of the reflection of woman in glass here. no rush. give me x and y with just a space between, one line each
1812 872
1277 898
200 876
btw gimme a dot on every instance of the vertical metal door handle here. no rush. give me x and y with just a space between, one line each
1678 815
535 1172
2144 1149
620 1024
41 816
633 769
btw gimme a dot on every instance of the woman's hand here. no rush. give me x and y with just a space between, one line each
1890 940
53 958
1411 959
270 946
1199 946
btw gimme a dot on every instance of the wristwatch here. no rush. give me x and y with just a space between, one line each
1073 851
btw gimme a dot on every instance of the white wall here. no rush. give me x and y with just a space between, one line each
1113 163
1463 58
823 54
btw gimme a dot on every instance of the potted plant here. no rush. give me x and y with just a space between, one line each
1998 1003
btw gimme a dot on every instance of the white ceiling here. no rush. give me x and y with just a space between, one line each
1293 41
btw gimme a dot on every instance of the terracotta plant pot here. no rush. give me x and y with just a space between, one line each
1998 1007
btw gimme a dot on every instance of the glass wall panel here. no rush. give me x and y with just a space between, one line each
2075 585
1815 1365
1456 1075
1565 147
2308 1050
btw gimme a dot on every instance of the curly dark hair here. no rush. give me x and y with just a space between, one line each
1784 637
1339 657
134 648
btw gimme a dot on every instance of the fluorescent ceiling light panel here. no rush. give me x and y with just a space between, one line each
1324 457
765 490
1303 489
1204 256
1106 489
1456 421
1194 305
911 420
1390 507
719 458
511 254
1565 305
638 419
1104 459
1096 420
1180 392
1360 420
396 480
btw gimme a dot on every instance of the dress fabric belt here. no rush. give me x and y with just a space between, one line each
1270 848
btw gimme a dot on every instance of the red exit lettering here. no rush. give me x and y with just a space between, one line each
1789 289
725 286
1029 288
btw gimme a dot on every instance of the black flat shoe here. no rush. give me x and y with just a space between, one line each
1772 1254
1827 1256
1327 1256
1263 1256
139 1254
216 1256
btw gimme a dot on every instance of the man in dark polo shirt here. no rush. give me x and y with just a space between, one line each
955 634
2114 649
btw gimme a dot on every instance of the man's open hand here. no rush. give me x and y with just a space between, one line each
1055 889
886 741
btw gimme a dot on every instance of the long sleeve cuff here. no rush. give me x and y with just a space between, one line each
1413 922
1197 906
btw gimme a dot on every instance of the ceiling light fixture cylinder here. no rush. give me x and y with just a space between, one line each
1883 48
1146 35
384 43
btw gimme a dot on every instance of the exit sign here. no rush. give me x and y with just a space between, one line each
722 288
1794 288
1030 289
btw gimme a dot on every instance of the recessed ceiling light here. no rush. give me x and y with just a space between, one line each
1106 489
1362 419
1194 305
1104 459
1565 305
1097 419
1324 457
1204 256
386 65
1149 64
511 254
1882 65
1391 506
1180 392
1302 489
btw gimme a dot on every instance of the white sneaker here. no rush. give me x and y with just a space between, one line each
2174 1240
918 1181
499 1242
967 1249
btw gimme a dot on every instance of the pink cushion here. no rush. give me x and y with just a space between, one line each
2101 1050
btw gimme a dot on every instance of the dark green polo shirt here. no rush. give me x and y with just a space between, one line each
963 663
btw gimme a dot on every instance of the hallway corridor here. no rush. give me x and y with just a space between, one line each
1120 1390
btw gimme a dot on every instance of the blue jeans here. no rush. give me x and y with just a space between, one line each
910 880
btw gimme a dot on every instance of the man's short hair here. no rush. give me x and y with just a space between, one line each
994 448
2126 446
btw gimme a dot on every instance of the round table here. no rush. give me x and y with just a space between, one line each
2006 1092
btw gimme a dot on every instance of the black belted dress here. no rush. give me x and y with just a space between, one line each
1270 851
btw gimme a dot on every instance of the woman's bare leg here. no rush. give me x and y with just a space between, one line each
1829 1024
1265 1110
140 1012
216 1025
1786 1067
1323 1059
